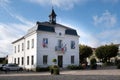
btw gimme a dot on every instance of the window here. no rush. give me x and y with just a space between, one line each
72 59
72 44
15 49
60 34
22 61
18 48
45 59
28 44
22 46
15 60
18 61
32 60
27 60
60 43
32 43
45 42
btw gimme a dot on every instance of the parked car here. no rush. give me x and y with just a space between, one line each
99 64
12 67
1 67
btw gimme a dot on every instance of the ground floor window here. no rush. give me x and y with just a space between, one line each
22 60
27 60
72 59
18 61
32 60
45 57
15 60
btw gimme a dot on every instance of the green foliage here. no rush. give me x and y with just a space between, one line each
106 52
54 60
84 51
74 67
42 69
108 64
118 66
54 70
93 63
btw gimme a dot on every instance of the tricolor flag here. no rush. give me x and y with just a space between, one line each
45 42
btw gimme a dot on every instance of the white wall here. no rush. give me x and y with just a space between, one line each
38 51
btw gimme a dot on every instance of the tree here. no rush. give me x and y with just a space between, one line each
112 51
106 52
84 51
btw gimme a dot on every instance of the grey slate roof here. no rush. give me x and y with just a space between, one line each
48 27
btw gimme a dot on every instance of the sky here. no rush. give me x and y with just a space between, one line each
96 21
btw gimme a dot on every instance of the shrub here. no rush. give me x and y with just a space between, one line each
54 70
108 64
74 67
42 69
93 63
118 66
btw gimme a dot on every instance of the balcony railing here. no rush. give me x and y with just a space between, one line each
59 49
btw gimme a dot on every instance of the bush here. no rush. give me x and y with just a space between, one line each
74 67
109 64
42 69
118 66
93 63
54 70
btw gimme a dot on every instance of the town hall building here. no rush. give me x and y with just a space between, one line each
43 43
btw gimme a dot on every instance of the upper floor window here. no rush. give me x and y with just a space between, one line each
60 43
18 48
22 46
45 57
28 44
45 42
15 49
72 44
32 43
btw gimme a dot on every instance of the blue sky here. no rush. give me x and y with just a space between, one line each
97 21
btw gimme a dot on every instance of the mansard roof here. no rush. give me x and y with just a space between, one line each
46 26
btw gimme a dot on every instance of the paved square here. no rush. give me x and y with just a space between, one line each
65 75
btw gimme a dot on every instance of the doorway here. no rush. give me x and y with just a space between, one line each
60 61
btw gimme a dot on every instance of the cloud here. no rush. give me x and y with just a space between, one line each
106 20
64 4
4 2
112 35
10 32
86 37
13 14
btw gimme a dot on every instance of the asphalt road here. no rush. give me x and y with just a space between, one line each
64 75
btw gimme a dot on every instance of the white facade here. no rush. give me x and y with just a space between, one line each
39 46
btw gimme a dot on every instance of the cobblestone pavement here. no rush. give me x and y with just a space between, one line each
64 75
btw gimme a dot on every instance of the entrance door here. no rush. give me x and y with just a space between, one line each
60 61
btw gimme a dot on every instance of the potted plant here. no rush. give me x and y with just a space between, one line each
54 69
54 61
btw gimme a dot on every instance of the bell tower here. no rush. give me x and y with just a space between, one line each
52 17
